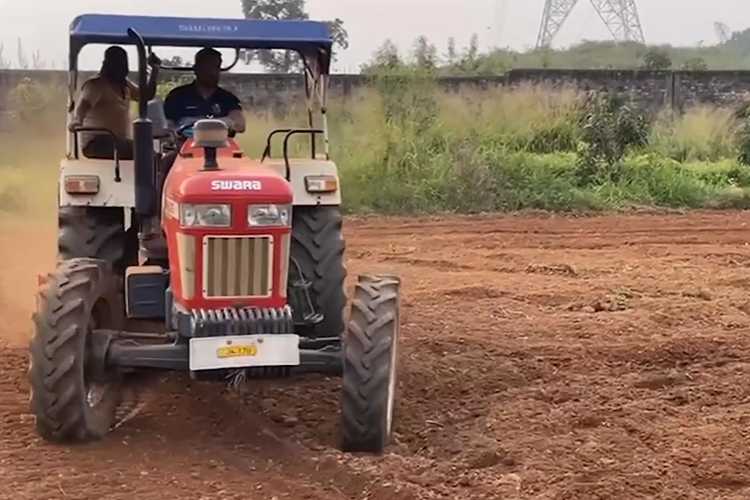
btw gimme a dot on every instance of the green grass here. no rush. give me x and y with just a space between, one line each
406 147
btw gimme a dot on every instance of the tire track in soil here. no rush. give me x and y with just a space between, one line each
511 385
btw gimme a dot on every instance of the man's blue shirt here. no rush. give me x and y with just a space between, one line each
186 102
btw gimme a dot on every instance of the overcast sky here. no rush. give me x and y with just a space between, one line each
43 24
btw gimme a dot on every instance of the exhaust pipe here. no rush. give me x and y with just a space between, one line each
143 152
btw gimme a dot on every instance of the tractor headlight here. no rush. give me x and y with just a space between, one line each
269 215
205 215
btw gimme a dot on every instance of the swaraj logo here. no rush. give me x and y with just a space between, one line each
208 28
236 186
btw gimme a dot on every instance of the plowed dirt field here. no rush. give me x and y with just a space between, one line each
543 357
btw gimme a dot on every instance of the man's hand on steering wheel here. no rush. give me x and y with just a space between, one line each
181 130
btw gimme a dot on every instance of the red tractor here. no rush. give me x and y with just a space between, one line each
235 263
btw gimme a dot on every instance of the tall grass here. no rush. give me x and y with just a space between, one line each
701 133
535 118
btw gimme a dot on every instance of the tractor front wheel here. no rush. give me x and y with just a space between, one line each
72 397
370 365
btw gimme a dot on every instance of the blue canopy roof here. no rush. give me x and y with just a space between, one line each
311 38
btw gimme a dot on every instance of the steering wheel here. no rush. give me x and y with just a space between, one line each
185 130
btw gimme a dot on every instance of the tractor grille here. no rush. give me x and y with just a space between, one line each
237 266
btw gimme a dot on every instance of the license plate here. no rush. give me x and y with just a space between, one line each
245 351
237 351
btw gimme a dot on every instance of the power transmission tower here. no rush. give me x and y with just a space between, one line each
620 17
554 16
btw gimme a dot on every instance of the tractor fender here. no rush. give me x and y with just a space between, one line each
300 168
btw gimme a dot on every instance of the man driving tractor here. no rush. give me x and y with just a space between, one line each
105 103
204 97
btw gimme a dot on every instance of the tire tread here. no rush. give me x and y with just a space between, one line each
368 347
58 350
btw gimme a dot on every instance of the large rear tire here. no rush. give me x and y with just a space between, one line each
72 397
370 365
96 233
318 247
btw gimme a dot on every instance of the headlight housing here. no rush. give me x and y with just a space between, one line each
269 215
214 215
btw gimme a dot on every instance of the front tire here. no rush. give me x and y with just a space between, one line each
72 400
370 365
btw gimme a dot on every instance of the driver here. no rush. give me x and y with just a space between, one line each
204 98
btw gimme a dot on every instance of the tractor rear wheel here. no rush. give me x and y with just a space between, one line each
318 247
370 365
73 398
97 233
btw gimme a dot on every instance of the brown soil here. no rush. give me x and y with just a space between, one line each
542 358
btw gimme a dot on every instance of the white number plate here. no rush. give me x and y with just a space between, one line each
245 351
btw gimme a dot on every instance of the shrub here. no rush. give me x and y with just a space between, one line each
657 59
610 128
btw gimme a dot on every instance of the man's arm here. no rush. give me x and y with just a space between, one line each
172 109
153 80
237 118
155 63
235 115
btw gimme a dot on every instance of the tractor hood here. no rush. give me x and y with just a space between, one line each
230 184
238 179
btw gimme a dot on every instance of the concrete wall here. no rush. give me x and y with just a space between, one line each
649 89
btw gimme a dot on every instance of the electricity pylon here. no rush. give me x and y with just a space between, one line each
620 17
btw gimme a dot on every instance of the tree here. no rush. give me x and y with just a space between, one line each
23 62
451 56
740 41
385 58
657 59
286 61
339 34
174 62
425 53
469 61
473 50
4 63
36 60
